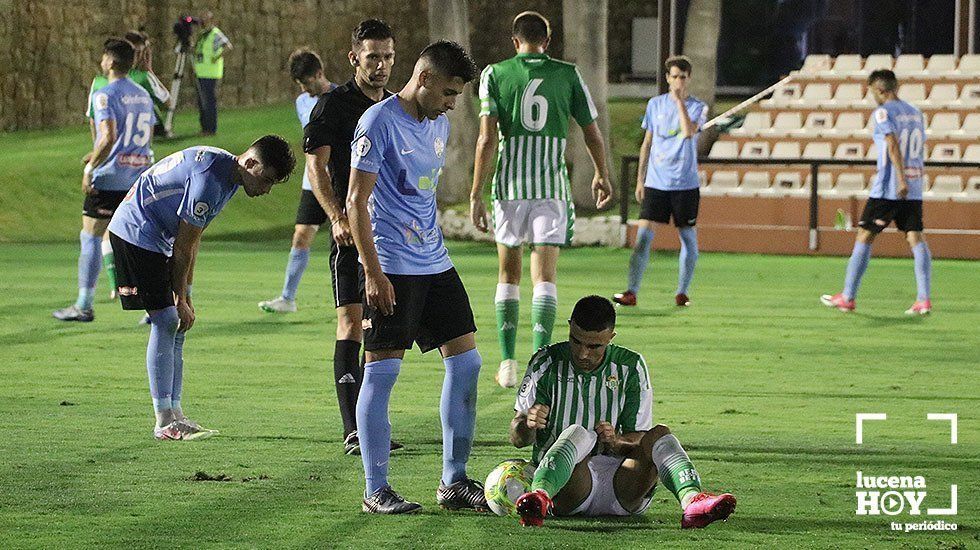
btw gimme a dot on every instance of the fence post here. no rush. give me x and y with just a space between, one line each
814 239
624 189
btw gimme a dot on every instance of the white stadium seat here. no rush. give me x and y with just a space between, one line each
847 64
872 153
755 122
946 184
817 123
824 182
849 183
849 124
971 126
945 152
786 150
787 182
973 187
755 181
969 65
942 95
724 150
723 180
914 93
908 65
816 94
878 61
943 124
941 64
784 95
817 150
970 96
849 151
972 153
849 94
755 150
816 63
785 124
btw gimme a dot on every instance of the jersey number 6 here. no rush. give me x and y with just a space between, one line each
534 108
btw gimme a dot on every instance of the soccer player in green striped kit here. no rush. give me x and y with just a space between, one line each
525 106
587 406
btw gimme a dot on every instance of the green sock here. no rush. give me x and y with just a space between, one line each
555 469
507 305
675 468
109 263
544 306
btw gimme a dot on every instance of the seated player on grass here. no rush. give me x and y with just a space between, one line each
587 406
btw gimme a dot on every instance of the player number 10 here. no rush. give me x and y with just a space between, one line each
142 127
534 108
911 144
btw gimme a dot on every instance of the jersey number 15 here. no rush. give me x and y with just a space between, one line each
143 130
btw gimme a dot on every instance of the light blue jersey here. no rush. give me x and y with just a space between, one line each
673 164
131 108
192 185
304 106
408 156
905 122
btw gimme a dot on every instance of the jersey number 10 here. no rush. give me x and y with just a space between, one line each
534 108
910 143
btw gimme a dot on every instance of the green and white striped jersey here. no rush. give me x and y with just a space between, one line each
618 392
533 96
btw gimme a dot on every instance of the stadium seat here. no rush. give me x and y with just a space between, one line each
973 188
941 65
783 95
877 61
972 153
816 150
786 123
909 65
816 63
945 152
824 182
755 181
817 123
787 182
724 150
723 180
941 95
970 96
786 150
849 183
755 150
867 103
847 64
849 151
872 153
943 124
969 66
914 93
970 127
755 123
849 124
849 94
946 184
816 94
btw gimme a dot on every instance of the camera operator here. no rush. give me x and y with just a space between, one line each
209 66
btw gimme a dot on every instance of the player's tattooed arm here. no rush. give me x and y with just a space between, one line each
483 166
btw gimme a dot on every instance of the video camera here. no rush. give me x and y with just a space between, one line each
184 28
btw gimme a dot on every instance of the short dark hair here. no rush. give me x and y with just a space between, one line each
304 63
594 313
887 78
136 38
121 52
370 29
531 27
274 151
450 59
679 61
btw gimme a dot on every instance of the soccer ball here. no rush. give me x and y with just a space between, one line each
507 482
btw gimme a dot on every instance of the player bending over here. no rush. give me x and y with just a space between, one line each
155 234
587 406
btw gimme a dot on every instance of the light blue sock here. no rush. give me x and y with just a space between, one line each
160 356
89 264
923 269
298 258
688 258
373 427
178 368
639 259
855 268
457 408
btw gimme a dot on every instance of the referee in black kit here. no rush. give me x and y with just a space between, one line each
327 139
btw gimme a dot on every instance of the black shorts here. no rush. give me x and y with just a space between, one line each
142 276
660 206
878 213
346 275
103 204
310 212
429 309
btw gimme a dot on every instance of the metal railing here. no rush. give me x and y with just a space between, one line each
630 163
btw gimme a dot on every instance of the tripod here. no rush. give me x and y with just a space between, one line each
179 66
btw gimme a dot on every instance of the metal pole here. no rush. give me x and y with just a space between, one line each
674 50
664 18
746 103
971 40
814 238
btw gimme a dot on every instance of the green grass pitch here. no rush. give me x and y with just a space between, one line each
758 380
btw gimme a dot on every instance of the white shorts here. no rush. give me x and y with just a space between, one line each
533 221
602 499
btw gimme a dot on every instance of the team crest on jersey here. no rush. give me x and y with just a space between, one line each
612 381
881 115
439 146
201 209
101 101
362 146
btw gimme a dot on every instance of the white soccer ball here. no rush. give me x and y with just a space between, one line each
508 481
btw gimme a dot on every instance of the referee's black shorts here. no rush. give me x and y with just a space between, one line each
429 310
346 275
660 206
142 276
309 211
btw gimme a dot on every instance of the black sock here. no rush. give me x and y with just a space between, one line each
347 374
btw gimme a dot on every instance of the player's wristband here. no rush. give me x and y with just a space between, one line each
88 168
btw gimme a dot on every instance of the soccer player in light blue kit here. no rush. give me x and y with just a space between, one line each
412 291
155 234
667 184
123 119
896 194
307 70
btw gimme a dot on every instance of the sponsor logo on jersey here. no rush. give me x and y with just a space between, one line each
133 160
128 291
